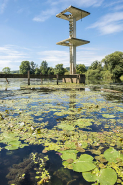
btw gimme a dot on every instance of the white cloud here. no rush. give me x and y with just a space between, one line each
54 57
3 5
88 55
11 57
44 15
110 23
83 56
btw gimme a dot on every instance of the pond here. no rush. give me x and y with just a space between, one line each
60 135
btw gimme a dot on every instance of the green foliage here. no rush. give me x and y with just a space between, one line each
80 69
32 67
96 65
106 75
50 71
93 74
121 77
114 63
24 67
44 68
6 70
37 71
59 69
67 73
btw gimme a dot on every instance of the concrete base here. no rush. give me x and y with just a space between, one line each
79 79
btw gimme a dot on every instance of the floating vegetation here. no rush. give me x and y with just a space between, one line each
82 127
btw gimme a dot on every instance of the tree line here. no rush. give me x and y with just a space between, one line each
44 69
109 67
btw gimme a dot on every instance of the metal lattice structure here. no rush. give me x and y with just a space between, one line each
72 14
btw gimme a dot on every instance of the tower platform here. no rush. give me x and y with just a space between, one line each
73 41
75 12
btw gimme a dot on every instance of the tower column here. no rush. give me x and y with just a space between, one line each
72 34
72 59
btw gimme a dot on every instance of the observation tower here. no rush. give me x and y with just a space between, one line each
72 14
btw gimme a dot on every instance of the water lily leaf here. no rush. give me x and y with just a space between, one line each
70 145
107 176
89 176
66 127
82 123
69 154
13 145
108 116
111 155
84 163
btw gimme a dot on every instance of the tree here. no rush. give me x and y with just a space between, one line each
37 71
114 63
6 70
80 69
94 74
24 67
32 67
44 68
50 71
94 65
59 69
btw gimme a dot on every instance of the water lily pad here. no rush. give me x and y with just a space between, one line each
66 127
108 116
82 123
107 176
69 154
89 176
111 155
84 163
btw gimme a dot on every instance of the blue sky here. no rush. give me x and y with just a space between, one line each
29 30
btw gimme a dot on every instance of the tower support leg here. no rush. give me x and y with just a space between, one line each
72 59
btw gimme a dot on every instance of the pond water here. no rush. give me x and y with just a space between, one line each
60 137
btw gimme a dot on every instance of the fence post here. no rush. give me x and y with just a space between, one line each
57 76
28 77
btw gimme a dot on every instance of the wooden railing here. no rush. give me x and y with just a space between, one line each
80 78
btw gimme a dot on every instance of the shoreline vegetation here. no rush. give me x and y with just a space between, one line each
110 67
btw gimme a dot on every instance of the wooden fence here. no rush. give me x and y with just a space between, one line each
66 78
